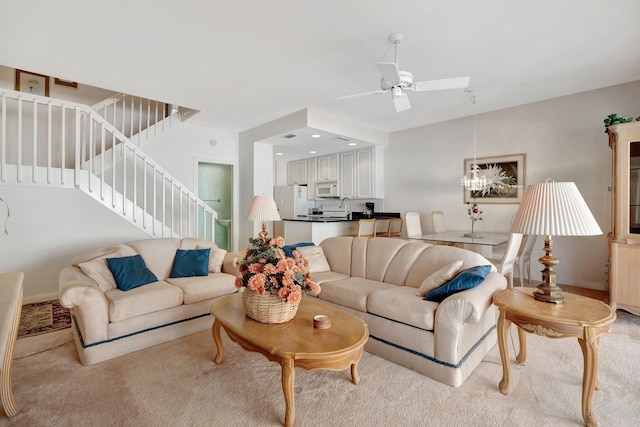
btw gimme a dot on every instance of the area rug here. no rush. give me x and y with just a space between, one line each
178 384
42 317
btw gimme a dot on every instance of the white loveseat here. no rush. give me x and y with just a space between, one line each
378 280
109 322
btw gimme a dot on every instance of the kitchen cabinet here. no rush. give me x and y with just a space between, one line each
624 239
311 178
365 173
297 172
348 174
327 168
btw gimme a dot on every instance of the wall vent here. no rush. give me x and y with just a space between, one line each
341 138
289 135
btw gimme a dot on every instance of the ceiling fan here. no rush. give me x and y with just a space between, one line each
397 82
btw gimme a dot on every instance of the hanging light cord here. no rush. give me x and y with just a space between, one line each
6 231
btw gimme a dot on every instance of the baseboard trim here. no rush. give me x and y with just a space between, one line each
40 298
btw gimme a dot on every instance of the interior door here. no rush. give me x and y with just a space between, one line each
215 188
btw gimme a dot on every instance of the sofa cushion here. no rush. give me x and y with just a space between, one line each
352 292
130 272
200 288
158 254
92 254
98 270
401 304
466 279
401 264
315 255
146 299
338 252
326 276
440 277
380 252
216 257
190 262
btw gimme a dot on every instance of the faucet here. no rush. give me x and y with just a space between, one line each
348 200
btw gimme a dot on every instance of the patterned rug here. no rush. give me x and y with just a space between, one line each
42 317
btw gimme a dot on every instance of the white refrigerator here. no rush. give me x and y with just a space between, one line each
291 200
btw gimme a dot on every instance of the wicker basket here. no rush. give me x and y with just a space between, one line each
267 308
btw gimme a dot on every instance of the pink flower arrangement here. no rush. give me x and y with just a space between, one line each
265 268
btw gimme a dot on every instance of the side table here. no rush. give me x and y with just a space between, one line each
580 317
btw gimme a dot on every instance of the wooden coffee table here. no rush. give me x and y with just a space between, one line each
294 344
578 317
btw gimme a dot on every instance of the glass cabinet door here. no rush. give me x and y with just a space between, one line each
634 188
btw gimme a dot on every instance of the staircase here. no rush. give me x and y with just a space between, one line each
55 143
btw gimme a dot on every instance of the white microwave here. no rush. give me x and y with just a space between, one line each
327 189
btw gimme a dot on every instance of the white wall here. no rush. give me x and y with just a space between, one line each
563 139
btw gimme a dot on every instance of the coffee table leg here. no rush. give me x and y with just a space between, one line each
522 340
288 377
215 331
503 333
589 345
355 377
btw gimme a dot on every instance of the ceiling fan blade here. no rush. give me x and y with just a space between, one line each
401 102
389 71
374 92
453 83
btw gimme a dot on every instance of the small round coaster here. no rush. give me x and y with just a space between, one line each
321 321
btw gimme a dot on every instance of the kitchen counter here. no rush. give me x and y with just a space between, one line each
318 218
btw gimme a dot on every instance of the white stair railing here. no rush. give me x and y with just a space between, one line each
49 142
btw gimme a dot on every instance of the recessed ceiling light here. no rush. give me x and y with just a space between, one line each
279 154
312 152
352 143
315 135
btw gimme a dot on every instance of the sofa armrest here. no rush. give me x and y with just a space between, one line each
230 265
466 307
83 295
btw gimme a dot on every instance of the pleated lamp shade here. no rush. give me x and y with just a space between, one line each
554 209
263 208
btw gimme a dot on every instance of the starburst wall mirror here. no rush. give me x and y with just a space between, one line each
505 175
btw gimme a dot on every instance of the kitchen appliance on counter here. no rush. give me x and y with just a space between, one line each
291 201
335 212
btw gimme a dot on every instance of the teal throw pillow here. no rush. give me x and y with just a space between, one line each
466 279
189 263
130 272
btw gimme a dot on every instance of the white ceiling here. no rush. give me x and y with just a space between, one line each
245 62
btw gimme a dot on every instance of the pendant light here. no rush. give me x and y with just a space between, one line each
477 181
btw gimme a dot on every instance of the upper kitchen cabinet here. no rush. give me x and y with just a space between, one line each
327 168
297 172
624 239
311 178
361 174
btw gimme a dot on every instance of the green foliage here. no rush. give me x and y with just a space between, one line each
614 119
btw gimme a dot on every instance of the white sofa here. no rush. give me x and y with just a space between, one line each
378 280
109 322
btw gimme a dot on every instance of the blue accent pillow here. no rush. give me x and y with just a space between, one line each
288 249
130 272
466 279
189 263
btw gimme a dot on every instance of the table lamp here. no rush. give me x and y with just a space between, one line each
263 208
553 208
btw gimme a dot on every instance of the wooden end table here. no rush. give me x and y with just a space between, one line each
294 344
580 317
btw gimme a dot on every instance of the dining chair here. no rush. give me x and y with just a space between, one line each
523 260
367 228
437 221
414 229
394 228
505 266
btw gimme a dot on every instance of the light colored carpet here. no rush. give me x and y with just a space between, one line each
178 384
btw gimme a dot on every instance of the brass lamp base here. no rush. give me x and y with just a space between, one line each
548 290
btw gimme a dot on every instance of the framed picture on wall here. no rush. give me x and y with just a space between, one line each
34 83
506 174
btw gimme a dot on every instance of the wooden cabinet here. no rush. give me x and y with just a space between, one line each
365 173
297 172
327 168
348 174
624 239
